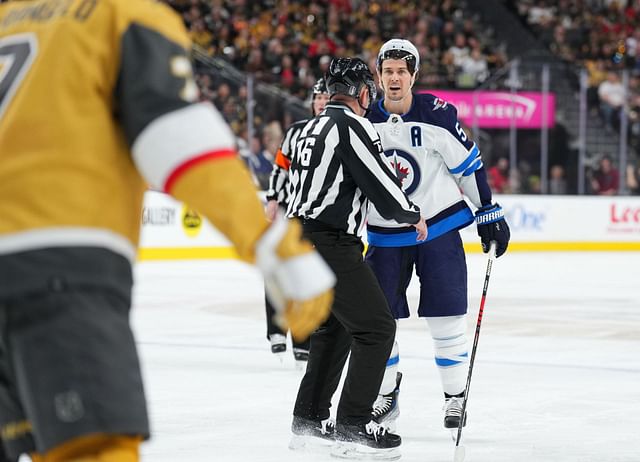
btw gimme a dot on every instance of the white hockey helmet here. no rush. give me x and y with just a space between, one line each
399 49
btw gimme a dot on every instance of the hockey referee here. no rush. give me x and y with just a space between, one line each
336 168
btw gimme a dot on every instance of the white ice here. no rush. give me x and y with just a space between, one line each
556 378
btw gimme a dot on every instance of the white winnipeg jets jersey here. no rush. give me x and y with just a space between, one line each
436 164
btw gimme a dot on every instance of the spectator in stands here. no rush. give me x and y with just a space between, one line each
459 50
499 176
633 179
475 68
205 86
612 97
557 180
199 34
260 162
321 45
221 95
323 64
597 73
605 180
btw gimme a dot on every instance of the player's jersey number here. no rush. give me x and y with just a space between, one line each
17 53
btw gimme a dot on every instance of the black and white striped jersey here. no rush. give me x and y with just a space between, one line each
279 179
337 167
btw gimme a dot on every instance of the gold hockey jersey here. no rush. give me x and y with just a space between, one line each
97 101
80 80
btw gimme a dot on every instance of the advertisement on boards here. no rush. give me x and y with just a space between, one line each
496 109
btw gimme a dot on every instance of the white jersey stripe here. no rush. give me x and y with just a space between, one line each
71 236
358 205
173 139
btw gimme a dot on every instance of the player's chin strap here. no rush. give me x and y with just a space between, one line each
366 110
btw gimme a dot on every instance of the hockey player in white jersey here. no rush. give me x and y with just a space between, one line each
436 164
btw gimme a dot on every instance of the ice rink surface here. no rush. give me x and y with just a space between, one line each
556 378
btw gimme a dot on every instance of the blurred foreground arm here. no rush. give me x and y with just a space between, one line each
186 149
298 282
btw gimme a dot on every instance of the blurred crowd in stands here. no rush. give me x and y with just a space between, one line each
289 44
603 36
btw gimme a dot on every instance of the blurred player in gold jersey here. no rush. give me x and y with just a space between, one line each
97 101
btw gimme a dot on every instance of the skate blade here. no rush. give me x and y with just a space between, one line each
280 356
310 444
454 435
458 455
360 452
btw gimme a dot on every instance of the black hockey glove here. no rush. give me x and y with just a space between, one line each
493 227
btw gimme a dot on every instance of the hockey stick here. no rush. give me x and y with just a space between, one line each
459 453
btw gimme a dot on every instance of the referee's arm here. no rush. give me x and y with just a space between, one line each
364 161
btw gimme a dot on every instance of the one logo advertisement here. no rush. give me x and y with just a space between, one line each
405 167
191 222
624 218
521 218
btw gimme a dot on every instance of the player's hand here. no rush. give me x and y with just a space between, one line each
303 317
298 282
493 227
271 210
421 228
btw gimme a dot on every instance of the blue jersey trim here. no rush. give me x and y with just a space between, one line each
475 166
393 360
405 239
387 114
445 362
381 107
458 220
464 165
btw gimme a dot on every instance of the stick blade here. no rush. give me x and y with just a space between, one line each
458 455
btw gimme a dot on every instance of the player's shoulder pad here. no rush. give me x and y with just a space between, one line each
435 111
153 15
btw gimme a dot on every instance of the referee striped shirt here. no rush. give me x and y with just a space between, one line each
337 166
279 179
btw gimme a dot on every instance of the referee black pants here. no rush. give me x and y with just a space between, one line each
360 322
274 328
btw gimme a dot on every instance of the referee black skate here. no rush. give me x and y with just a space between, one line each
336 168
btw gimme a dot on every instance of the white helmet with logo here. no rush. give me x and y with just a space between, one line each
400 49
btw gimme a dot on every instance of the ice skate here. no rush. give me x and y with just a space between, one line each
369 441
452 413
312 435
278 345
386 409
301 357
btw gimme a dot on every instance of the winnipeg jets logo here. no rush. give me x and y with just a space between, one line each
439 103
401 172
405 168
